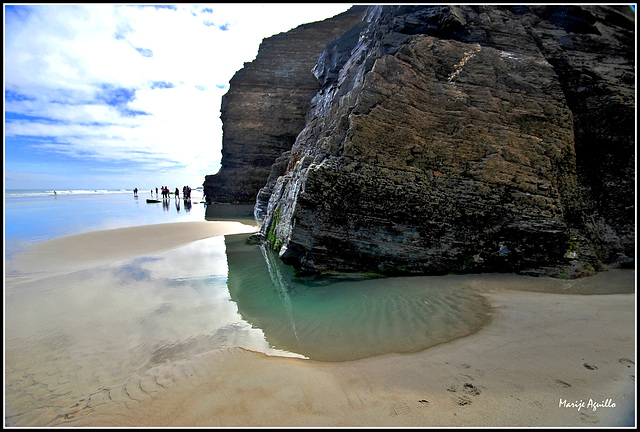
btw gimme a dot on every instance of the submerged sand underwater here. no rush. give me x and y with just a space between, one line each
153 326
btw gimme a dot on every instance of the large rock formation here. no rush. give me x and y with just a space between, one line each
266 105
464 138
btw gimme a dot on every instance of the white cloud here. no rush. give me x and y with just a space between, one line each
67 65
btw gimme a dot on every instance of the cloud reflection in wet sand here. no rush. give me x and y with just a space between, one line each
98 331
70 335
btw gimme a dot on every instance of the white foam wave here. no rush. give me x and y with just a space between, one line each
26 193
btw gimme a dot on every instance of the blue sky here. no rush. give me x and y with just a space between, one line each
117 96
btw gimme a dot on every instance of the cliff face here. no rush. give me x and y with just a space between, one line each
265 107
456 139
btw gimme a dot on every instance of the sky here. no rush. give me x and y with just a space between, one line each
115 96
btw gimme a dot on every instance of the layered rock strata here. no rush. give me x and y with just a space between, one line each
266 105
464 139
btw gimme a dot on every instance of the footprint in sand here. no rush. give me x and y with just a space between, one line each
589 418
590 366
462 400
626 361
563 383
399 408
471 389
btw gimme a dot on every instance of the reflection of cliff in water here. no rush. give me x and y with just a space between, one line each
350 317
229 212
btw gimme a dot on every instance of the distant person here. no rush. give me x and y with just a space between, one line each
156 192
177 193
55 193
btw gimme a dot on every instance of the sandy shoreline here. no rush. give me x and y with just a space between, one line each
95 247
538 349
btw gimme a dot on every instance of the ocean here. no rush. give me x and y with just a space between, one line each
33 215
69 336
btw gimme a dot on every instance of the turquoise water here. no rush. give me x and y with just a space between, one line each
70 335
348 317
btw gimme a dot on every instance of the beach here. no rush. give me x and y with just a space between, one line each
92 248
516 372
544 358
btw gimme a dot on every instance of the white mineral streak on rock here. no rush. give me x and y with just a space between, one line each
468 55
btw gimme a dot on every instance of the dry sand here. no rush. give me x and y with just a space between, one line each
538 350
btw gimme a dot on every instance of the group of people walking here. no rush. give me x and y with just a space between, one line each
186 192
166 193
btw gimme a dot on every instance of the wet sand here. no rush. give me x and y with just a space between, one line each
80 250
538 350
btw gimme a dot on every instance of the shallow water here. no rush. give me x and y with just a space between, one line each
32 216
349 317
68 336
71 335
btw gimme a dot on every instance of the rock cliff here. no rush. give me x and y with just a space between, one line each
266 105
461 139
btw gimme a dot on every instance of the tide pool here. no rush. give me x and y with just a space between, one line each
72 335
348 317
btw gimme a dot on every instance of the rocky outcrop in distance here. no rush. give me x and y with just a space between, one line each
458 139
266 105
